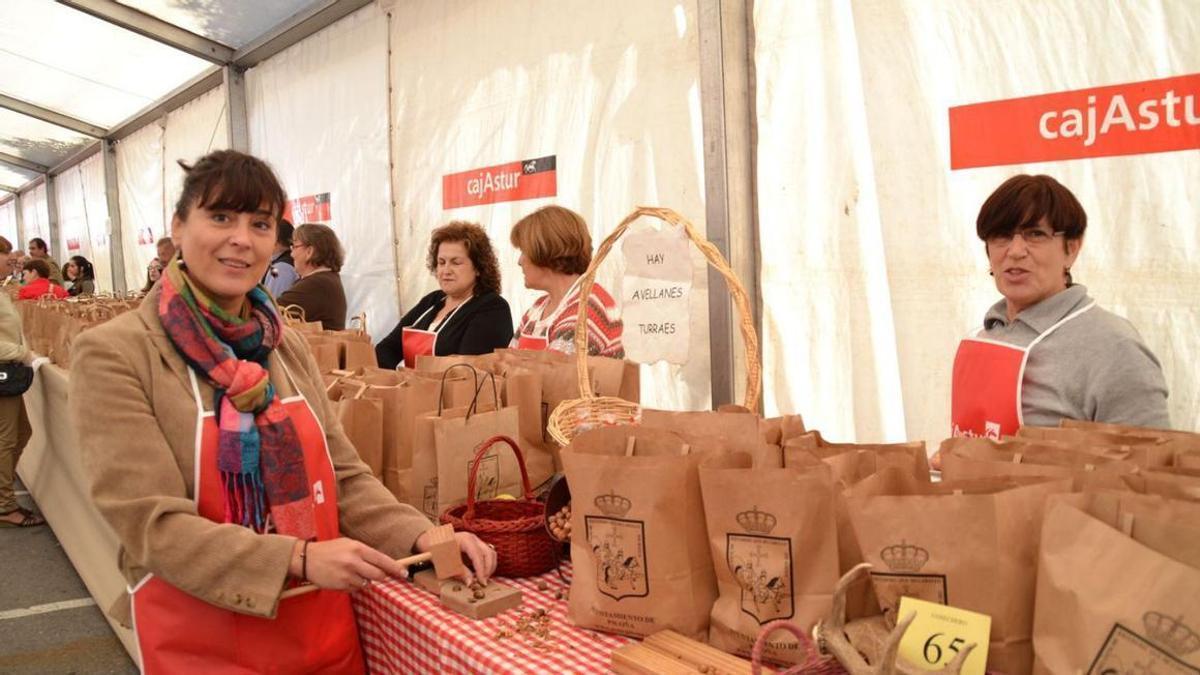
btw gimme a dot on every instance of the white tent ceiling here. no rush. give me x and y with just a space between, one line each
73 71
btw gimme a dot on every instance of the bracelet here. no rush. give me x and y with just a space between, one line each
304 561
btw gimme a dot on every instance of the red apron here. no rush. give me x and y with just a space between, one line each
985 394
419 342
533 342
312 633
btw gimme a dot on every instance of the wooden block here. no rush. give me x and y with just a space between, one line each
447 559
428 580
638 659
496 598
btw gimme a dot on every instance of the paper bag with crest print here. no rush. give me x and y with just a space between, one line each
967 458
1143 450
639 544
970 544
773 541
445 444
1118 586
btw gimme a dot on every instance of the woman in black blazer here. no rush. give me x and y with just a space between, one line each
466 315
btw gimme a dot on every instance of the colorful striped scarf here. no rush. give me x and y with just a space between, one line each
258 451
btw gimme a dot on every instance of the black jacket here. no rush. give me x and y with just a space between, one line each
481 326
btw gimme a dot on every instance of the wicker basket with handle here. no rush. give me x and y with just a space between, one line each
574 416
514 527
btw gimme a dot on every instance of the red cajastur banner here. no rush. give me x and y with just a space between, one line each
309 209
526 179
1124 119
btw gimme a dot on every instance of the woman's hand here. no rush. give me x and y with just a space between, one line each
343 564
481 555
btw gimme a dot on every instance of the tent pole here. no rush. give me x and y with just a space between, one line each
112 193
235 108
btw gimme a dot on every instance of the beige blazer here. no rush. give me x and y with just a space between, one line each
135 414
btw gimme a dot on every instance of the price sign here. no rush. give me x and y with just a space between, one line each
940 632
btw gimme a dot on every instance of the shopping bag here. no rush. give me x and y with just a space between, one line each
1143 450
362 420
971 544
639 545
773 542
1118 586
967 458
852 462
444 448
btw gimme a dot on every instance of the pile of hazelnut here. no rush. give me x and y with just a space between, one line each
560 524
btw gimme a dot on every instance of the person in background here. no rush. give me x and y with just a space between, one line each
1046 351
221 465
16 259
14 422
318 256
281 275
39 251
37 281
165 250
556 250
80 276
466 315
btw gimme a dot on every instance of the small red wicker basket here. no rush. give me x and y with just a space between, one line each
515 527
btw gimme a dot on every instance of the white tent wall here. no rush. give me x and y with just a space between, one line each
73 236
193 130
8 222
95 203
611 89
140 184
879 109
318 113
36 217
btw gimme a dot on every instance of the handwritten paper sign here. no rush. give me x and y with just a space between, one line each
940 632
655 295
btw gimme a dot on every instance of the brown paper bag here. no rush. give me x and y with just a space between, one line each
1118 586
445 444
523 391
610 377
439 364
1173 482
970 544
640 547
708 431
773 542
1139 449
968 458
325 350
852 462
362 420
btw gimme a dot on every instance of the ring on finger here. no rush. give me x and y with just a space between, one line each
366 582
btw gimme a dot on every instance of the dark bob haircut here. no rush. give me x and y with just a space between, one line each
230 180
479 248
1023 201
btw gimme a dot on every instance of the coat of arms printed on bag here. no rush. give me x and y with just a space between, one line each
619 548
762 566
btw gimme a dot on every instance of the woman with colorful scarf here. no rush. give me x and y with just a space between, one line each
218 461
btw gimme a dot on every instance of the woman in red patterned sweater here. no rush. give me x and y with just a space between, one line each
556 250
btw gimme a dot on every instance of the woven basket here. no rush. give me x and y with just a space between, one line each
589 411
515 527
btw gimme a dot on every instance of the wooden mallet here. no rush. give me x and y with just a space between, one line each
443 552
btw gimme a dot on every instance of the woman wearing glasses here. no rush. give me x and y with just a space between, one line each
1046 351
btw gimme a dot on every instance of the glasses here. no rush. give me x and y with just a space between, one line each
298 244
1032 237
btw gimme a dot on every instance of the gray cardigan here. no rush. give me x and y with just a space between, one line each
1093 367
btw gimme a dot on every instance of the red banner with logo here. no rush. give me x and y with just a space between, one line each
1124 119
309 209
526 179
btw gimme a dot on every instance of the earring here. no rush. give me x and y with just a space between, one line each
182 265
991 273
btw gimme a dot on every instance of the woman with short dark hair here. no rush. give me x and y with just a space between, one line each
318 257
215 456
466 315
80 275
556 249
1045 351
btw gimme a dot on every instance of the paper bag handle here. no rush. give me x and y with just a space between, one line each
445 373
479 453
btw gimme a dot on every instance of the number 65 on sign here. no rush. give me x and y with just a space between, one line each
940 632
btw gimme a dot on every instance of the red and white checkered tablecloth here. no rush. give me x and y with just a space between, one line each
405 629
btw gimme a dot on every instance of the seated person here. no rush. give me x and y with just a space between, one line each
39 250
36 273
281 275
165 249
318 256
556 250
466 315
80 276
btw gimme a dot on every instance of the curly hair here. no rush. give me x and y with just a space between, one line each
479 248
